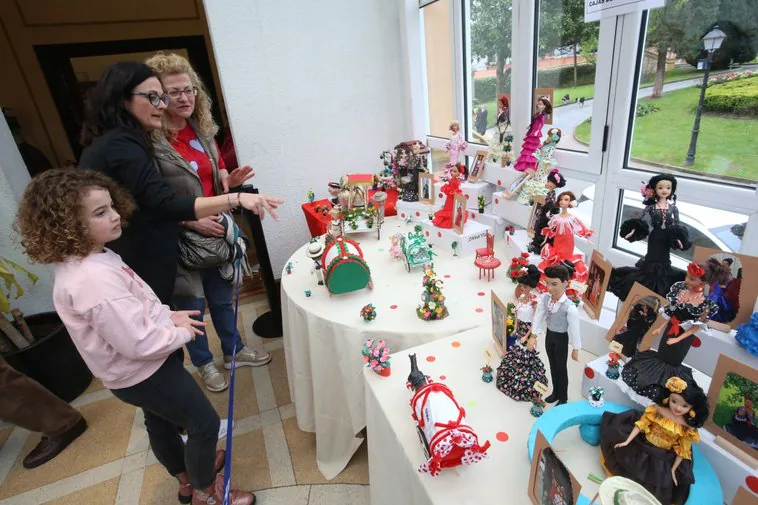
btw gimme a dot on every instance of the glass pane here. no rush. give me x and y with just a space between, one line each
707 227
438 43
490 41
439 158
666 135
566 55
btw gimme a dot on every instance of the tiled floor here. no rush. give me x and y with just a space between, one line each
112 464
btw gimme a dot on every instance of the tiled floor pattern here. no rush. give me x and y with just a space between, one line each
112 464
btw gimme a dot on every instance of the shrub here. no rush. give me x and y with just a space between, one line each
561 77
727 77
645 108
484 89
735 97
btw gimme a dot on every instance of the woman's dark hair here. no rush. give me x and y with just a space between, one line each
462 169
556 178
548 110
653 182
558 272
695 396
105 108
532 277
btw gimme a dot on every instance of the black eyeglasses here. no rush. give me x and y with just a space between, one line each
154 98
176 93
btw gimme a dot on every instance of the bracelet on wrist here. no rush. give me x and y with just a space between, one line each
239 199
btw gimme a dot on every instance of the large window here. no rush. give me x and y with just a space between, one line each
440 74
672 64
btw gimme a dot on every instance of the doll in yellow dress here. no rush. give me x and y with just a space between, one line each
661 460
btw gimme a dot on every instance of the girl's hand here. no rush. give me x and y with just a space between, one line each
673 476
261 204
183 319
236 178
622 444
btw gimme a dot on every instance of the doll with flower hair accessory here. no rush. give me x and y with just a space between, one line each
661 459
688 310
443 218
659 224
554 180
536 185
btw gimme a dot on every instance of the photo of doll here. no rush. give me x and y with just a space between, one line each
641 317
595 281
654 448
724 278
555 480
526 160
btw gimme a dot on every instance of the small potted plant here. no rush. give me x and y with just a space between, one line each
596 396
454 245
307 293
613 366
481 201
288 268
376 355
538 405
487 373
368 312
518 267
310 195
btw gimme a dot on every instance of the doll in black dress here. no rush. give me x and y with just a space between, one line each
659 223
641 318
688 309
554 180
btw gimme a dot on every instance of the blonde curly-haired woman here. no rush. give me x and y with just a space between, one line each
189 161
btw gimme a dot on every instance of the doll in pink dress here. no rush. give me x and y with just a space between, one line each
526 160
562 228
455 146
443 218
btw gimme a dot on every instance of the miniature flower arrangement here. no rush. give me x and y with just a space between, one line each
538 405
368 312
481 201
518 267
288 268
613 365
310 195
573 295
596 396
307 293
376 355
351 216
510 230
487 373
433 306
323 209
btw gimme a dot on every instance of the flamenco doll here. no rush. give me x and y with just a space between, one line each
521 365
661 459
659 223
688 309
641 318
455 146
501 144
561 229
544 213
719 278
536 185
526 160
443 218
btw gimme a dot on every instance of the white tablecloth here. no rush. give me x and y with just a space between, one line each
323 335
395 452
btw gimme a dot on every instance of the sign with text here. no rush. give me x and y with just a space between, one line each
594 10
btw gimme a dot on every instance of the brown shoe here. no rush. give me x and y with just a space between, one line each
50 447
185 488
214 495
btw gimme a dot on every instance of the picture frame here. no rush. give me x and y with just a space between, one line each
744 271
539 202
515 186
597 284
734 388
477 167
426 180
547 467
547 92
641 299
459 214
499 312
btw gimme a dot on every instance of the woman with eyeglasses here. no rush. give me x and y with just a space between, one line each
189 160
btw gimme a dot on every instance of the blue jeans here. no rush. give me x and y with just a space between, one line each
219 295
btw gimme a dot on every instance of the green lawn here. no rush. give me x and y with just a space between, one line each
725 144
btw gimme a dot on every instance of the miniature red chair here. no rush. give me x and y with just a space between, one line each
488 263
489 250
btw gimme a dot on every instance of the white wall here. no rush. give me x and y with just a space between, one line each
313 90
13 179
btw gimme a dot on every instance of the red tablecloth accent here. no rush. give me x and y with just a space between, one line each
390 206
316 220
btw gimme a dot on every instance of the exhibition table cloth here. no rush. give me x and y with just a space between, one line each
324 335
395 452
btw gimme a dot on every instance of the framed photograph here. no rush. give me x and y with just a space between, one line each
426 188
634 324
515 186
597 283
732 283
477 167
539 202
459 213
550 482
499 327
547 93
734 388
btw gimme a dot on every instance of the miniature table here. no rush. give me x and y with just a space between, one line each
395 452
488 264
323 335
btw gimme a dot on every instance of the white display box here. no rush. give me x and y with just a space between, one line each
417 211
471 190
510 210
495 223
474 236
500 176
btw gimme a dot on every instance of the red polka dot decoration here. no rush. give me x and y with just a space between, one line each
455 343
427 234
480 293
473 216
393 307
696 342
466 197
442 377
439 234
479 309
441 195
497 201
499 182
752 483
418 214
447 276
502 436
589 372
431 359
402 215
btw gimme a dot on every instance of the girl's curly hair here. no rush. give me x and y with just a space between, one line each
50 221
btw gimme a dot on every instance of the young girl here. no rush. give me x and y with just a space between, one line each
443 218
661 459
129 340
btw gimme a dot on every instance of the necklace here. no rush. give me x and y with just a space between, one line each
663 210
552 306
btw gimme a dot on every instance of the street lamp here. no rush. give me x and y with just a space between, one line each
711 42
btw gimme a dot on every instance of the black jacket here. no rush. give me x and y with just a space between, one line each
149 244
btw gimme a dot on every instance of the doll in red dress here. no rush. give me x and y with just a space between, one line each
443 218
562 228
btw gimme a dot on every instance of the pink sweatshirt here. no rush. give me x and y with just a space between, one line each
119 326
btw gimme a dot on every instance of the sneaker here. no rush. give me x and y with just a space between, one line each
248 357
212 378
215 493
221 431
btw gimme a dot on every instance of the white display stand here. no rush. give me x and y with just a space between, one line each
510 210
417 211
499 176
495 223
731 472
471 190
474 236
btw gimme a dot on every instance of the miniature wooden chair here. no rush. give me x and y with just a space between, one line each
489 250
